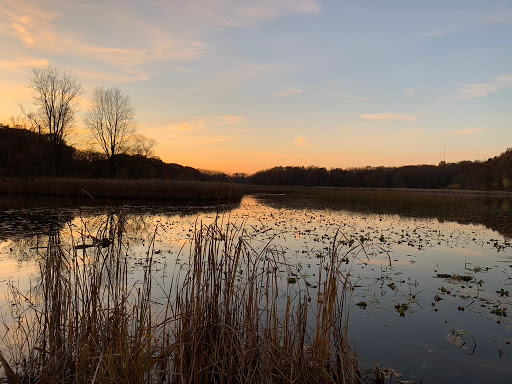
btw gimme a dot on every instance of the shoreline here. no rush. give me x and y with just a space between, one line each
145 189
463 192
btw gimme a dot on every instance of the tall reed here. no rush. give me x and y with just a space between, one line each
230 316
164 190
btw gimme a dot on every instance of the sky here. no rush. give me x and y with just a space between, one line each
241 86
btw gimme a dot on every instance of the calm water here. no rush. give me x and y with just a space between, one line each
402 314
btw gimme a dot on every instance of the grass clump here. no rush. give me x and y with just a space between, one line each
229 316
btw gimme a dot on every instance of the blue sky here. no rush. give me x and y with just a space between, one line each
240 86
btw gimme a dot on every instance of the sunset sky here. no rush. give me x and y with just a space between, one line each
240 86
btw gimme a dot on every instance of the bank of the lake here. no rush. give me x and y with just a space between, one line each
163 190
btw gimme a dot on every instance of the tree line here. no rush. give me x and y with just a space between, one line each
493 174
28 154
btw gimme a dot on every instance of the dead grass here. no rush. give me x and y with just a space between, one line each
165 190
230 316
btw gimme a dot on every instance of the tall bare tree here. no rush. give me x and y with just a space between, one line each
111 121
56 94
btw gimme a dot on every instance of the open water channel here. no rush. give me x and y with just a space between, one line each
429 298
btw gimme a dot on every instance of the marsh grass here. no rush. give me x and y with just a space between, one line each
396 198
165 190
229 316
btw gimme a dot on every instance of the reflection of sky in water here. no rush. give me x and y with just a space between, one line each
422 344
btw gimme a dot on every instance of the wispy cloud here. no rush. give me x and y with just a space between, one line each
27 22
346 96
504 17
195 124
389 116
470 91
174 33
108 75
288 92
300 141
469 131
130 57
434 33
22 63
231 14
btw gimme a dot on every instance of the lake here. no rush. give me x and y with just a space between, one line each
429 288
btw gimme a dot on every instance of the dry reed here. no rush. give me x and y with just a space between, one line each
165 190
230 316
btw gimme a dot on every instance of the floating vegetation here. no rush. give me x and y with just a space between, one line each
499 312
402 309
458 278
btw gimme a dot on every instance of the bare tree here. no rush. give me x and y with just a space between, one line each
142 148
111 121
56 94
142 145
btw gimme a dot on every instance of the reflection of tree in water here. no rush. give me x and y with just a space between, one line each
28 227
493 213
27 223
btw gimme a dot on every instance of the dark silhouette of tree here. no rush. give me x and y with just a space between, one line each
142 148
111 121
56 95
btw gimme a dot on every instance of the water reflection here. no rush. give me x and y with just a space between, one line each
493 212
412 307
34 216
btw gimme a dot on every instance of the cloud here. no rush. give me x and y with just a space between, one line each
241 130
187 126
27 22
346 96
50 33
288 92
470 91
237 13
499 18
389 116
22 63
130 57
469 131
434 33
300 141
107 75
195 124
163 33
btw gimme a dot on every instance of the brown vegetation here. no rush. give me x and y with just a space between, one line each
165 190
229 317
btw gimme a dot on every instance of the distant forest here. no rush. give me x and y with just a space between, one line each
24 153
28 154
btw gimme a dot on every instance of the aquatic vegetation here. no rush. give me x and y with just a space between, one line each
227 316
402 309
